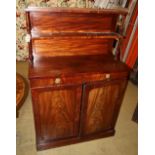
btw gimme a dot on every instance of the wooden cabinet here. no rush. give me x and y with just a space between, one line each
77 85
70 113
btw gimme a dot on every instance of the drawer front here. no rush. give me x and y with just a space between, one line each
71 80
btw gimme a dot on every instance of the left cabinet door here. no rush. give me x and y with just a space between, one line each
56 112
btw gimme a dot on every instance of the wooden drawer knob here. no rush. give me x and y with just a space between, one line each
107 76
57 81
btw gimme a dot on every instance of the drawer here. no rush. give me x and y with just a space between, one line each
71 80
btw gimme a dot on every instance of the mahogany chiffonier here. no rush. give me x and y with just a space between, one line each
77 84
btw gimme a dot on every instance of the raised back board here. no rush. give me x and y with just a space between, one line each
69 32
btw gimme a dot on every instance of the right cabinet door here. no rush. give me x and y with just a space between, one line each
101 104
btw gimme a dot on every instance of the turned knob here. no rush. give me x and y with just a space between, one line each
107 76
57 81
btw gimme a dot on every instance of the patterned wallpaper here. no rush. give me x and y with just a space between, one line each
21 45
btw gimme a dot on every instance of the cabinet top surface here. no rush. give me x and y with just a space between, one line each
68 66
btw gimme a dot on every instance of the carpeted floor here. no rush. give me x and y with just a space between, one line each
123 143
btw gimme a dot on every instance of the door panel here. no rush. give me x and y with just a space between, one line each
56 112
101 102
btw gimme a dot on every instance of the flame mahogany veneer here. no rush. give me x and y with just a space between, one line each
77 85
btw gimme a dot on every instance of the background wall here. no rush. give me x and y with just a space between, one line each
21 45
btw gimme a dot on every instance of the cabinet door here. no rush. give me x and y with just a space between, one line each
56 112
101 103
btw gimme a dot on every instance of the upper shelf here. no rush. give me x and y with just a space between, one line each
117 10
72 35
65 20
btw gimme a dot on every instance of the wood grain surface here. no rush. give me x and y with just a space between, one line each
119 10
58 22
75 65
61 31
69 47
57 111
100 100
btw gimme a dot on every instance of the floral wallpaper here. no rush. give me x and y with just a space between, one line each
21 45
